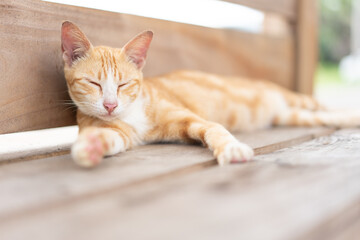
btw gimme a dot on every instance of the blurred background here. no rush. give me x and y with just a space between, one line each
337 80
338 76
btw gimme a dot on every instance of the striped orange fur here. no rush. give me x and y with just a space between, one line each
119 109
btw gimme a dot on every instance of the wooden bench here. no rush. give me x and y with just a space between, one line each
304 184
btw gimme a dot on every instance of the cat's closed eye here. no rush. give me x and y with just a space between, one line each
121 85
94 83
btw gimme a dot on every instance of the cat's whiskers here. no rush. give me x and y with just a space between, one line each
74 106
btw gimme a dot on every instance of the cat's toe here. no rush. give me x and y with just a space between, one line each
88 152
235 152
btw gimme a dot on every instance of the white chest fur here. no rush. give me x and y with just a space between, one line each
135 116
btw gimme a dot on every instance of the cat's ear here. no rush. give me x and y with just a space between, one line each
137 48
74 43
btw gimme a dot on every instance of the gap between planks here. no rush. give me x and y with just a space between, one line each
295 136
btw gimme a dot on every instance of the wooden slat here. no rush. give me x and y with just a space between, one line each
286 8
39 184
306 45
32 80
284 195
352 231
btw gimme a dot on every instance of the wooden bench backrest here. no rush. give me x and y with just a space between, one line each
31 69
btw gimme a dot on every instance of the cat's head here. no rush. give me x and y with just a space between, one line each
102 81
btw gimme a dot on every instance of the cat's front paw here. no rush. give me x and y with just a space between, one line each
235 152
88 151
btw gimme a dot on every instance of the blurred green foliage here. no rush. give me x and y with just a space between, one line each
327 74
334 32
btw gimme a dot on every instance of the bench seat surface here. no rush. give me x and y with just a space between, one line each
304 184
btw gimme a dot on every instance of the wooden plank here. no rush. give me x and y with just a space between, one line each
284 195
343 225
34 185
306 45
286 8
350 232
33 86
24 146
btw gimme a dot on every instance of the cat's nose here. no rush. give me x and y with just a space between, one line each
110 106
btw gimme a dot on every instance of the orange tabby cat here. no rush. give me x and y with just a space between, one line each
119 109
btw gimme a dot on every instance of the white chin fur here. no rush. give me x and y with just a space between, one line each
108 117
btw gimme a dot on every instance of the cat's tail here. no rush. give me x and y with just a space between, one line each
304 117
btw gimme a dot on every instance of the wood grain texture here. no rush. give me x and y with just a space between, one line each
32 79
289 194
351 231
306 45
41 184
286 8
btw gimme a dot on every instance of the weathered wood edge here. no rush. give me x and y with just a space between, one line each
285 144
